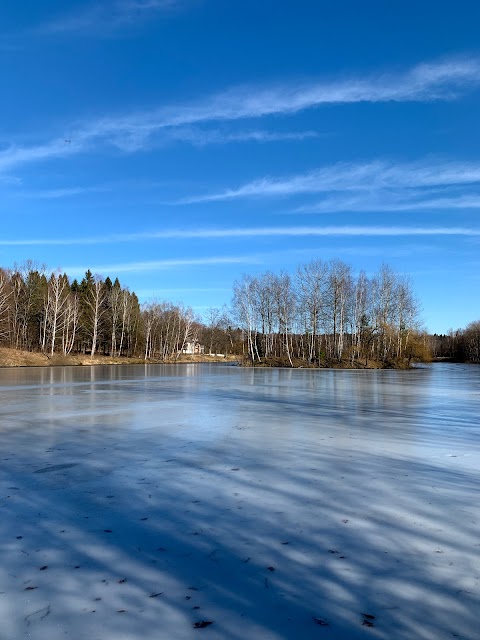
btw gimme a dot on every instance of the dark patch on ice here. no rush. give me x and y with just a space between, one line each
56 467
202 624
323 622
367 620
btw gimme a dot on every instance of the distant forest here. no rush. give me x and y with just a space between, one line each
323 315
462 345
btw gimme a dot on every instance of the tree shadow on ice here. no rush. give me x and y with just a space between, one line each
268 542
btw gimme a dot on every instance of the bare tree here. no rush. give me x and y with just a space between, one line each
285 302
312 285
384 286
5 296
213 316
339 295
94 302
406 312
115 306
244 294
363 331
55 303
70 324
126 307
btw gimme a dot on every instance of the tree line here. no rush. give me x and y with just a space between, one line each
325 314
462 345
41 311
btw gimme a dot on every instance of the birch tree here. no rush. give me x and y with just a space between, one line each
94 302
312 286
55 304
70 324
5 295
244 307
339 290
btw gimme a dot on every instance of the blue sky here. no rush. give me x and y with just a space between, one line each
177 144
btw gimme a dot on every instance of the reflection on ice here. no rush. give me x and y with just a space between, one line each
136 501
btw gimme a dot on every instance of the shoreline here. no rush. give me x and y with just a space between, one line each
15 358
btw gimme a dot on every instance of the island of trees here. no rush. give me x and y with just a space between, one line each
323 315
326 316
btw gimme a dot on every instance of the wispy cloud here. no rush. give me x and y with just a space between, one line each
202 137
160 265
247 232
391 201
106 17
181 290
15 156
441 80
10 180
57 194
377 183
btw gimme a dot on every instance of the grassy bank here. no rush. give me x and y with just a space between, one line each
328 364
18 358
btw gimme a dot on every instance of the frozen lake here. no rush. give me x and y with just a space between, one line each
277 504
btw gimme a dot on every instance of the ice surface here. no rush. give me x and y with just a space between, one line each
277 504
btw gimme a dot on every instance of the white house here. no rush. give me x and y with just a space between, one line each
193 348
